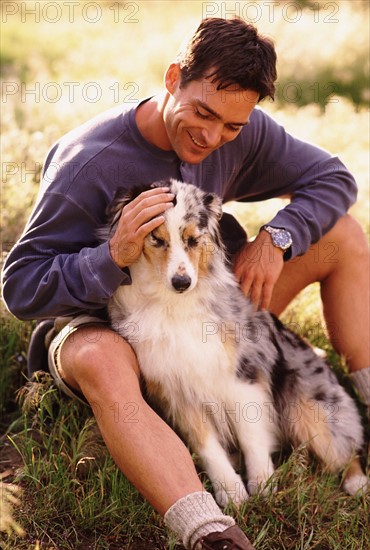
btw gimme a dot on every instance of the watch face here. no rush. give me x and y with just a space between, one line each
282 239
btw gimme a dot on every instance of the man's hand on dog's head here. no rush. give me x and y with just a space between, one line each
258 267
138 219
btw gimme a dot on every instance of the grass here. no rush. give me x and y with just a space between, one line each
73 487
72 495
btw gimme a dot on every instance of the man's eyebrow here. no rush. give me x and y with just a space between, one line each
218 116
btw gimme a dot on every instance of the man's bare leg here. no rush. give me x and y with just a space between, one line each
340 262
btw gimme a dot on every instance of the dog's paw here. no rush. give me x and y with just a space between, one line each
263 485
357 485
231 492
320 352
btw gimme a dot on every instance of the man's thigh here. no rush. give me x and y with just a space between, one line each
328 255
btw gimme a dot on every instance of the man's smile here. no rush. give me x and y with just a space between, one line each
197 142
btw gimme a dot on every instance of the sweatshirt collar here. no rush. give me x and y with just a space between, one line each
166 156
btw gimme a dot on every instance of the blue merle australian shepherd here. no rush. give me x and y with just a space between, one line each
221 373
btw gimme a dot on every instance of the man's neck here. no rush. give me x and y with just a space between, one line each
149 120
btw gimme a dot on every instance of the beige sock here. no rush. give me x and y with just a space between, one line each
361 381
195 516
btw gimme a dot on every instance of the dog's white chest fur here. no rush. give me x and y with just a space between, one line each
177 346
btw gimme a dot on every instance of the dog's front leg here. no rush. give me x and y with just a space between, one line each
200 432
254 422
227 484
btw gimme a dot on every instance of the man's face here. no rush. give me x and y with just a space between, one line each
199 118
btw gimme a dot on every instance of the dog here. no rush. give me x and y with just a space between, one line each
221 373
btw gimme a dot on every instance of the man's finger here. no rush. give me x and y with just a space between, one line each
146 214
266 295
149 226
245 281
256 293
148 198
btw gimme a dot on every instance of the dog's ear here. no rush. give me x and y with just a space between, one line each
122 197
114 209
134 191
213 204
130 194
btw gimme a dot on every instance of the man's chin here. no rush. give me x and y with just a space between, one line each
195 157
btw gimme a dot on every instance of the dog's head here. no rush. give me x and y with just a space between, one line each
183 248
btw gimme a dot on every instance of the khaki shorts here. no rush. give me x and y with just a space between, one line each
64 327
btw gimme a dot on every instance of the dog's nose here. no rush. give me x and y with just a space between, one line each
181 282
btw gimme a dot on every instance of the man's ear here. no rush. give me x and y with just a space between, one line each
172 77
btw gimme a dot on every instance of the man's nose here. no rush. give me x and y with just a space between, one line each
212 134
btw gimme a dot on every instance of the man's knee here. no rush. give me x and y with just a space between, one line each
345 245
348 238
93 353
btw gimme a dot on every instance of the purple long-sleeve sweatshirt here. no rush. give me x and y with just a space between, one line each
58 266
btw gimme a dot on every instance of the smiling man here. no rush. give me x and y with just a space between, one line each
204 129
197 119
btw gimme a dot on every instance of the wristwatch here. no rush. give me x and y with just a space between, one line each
281 238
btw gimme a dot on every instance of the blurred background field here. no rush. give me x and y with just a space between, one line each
63 62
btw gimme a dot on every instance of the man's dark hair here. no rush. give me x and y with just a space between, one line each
230 51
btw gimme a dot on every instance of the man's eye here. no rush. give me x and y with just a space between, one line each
157 242
233 128
201 115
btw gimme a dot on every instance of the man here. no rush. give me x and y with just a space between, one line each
203 129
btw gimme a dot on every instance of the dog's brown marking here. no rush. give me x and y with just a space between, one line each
189 233
230 333
189 422
354 469
162 233
207 251
308 423
155 252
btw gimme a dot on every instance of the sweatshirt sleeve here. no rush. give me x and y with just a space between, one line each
320 187
58 267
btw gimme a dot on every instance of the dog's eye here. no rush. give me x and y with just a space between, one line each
157 242
192 242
